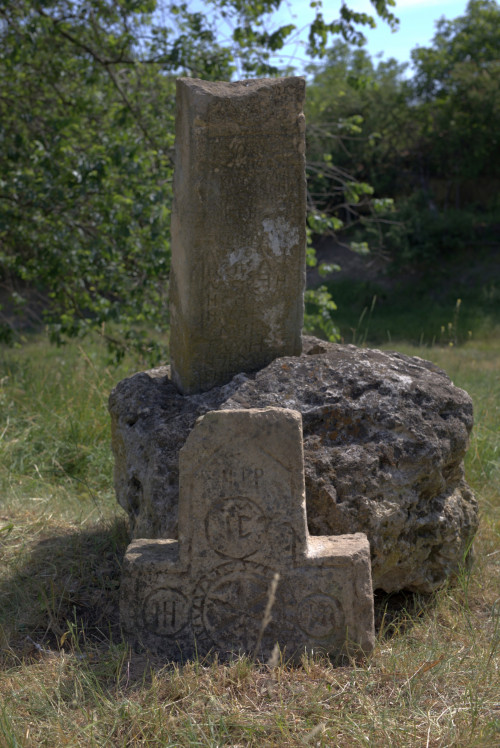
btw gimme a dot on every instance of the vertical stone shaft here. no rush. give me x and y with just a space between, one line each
238 228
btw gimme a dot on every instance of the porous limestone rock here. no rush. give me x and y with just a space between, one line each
384 440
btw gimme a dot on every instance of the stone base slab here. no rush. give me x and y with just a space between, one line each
324 605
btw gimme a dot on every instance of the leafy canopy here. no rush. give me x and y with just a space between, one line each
86 137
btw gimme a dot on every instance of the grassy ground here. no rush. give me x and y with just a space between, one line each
450 301
66 678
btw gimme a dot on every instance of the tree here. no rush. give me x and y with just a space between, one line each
457 90
86 128
84 167
358 121
431 142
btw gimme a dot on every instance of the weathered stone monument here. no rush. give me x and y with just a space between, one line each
385 437
238 228
210 457
245 574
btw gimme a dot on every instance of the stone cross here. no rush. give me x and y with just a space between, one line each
244 574
238 228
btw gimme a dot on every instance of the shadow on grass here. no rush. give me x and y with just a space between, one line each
66 582
397 612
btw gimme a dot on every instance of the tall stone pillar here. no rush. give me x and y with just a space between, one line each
238 228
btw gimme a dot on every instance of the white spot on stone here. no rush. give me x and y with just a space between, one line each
281 236
272 319
237 255
403 378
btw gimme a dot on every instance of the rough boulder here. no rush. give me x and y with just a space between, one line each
384 440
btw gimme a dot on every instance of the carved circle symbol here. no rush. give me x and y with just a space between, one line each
318 615
235 527
230 607
166 611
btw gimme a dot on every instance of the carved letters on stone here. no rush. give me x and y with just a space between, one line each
238 228
242 520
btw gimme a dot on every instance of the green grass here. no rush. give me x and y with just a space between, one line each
66 677
55 432
448 302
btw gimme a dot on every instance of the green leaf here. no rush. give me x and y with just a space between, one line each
361 248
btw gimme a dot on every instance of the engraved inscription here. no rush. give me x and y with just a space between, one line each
319 615
238 252
230 607
166 611
247 475
235 527
245 574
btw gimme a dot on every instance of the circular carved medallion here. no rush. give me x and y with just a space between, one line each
318 615
228 609
166 611
235 527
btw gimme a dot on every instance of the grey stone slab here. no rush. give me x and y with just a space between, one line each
243 529
238 228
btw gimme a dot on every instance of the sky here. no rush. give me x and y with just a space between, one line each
416 28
